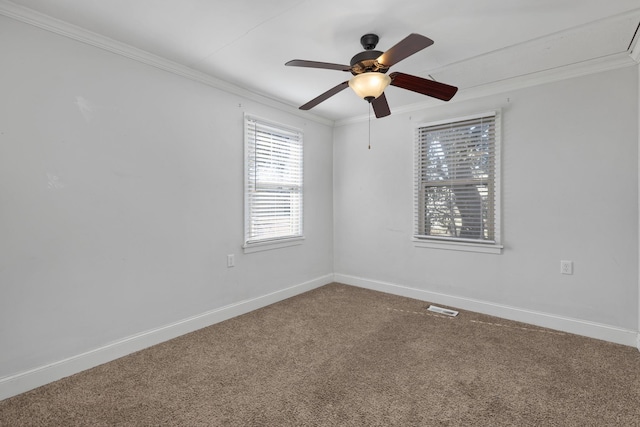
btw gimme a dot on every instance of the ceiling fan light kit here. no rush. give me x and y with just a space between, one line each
369 86
369 70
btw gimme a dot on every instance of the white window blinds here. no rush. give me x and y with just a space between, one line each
456 180
273 178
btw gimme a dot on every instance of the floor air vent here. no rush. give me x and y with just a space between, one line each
441 310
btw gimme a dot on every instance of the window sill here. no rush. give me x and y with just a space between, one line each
458 246
271 244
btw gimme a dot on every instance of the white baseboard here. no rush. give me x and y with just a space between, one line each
25 381
546 320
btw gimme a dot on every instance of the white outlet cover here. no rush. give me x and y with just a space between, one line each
566 267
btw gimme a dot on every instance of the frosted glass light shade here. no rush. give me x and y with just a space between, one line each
369 85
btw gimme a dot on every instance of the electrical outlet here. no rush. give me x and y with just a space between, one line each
231 262
566 267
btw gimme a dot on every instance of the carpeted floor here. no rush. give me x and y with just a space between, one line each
345 356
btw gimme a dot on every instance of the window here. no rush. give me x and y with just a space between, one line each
456 184
273 184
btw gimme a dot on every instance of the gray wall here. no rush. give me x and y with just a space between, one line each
569 192
121 193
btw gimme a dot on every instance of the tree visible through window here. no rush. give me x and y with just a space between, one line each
456 185
273 175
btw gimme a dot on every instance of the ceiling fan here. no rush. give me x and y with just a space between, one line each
369 70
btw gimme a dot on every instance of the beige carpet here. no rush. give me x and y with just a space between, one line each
344 356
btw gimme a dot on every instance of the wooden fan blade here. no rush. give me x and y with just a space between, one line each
328 94
381 106
315 64
424 86
408 46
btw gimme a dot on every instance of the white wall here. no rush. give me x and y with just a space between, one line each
569 192
121 193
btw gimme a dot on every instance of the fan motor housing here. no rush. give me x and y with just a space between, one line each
366 62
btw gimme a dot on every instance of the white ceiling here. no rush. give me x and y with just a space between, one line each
247 42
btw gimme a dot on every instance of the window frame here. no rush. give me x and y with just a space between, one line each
455 243
251 243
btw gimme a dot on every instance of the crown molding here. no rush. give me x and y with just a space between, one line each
598 65
634 47
48 23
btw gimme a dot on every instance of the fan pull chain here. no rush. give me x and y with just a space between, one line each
369 125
